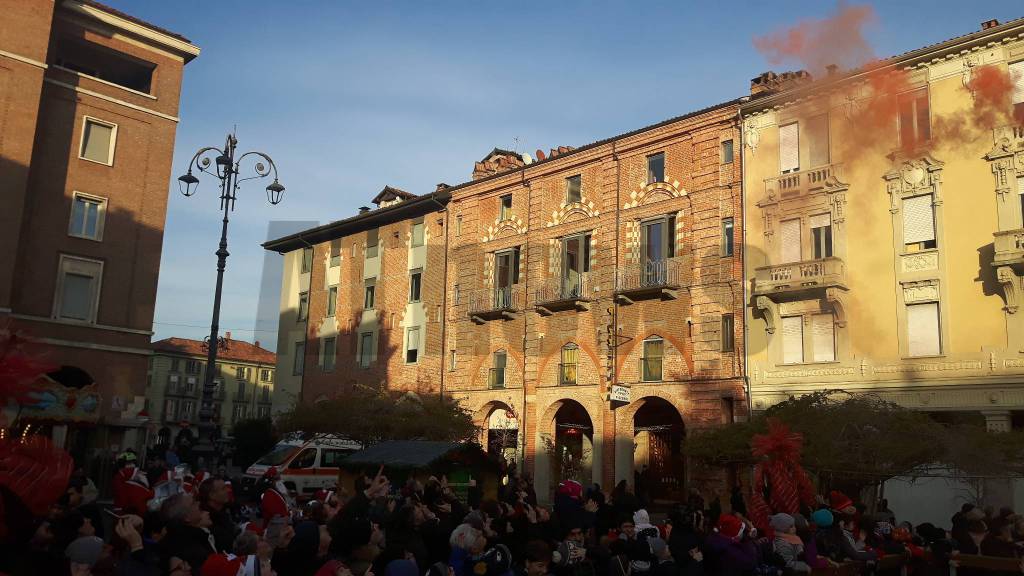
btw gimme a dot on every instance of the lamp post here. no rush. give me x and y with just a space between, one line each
226 168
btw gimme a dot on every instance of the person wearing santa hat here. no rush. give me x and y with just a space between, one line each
729 549
135 494
275 500
125 473
231 565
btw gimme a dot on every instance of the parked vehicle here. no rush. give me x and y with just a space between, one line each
305 465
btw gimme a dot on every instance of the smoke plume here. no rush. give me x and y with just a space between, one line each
816 43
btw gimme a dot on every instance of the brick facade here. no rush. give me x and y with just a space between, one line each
44 104
699 385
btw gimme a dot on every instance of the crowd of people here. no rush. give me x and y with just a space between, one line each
179 524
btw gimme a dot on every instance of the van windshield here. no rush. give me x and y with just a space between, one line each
277 456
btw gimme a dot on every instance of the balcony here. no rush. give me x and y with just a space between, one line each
560 294
495 303
1009 245
496 378
653 279
799 278
802 181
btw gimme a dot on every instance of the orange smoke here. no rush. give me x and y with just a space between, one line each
816 43
990 88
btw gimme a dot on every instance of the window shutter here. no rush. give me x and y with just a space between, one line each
824 341
923 329
918 219
792 340
414 339
821 220
789 147
1017 78
790 241
817 129
1020 185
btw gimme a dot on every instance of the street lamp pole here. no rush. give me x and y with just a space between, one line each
226 169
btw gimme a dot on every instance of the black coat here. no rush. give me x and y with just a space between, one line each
190 543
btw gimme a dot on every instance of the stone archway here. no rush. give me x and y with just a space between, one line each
649 448
499 426
568 446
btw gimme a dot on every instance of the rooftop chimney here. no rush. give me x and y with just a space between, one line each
441 187
257 343
227 335
989 24
496 162
832 69
364 209
772 82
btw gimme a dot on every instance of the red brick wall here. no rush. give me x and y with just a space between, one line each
391 303
698 375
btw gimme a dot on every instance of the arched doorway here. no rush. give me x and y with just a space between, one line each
573 444
658 463
503 434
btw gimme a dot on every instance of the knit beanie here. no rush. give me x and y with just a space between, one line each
822 518
781 522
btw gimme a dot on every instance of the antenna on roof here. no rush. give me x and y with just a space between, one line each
515 144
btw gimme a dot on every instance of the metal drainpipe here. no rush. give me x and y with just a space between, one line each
614 340
444 296
743 267
526 316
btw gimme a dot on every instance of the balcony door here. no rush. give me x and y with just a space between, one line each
506 272
575 263
657 236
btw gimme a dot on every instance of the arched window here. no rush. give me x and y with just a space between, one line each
567 368
651 359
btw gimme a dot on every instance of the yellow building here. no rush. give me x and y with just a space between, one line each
244 382
883 230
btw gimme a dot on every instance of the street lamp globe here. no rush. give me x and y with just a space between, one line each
274 192
188 184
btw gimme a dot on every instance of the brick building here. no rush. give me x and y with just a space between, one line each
366 295
243 381
590 300
89 99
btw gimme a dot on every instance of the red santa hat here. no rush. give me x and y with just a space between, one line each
571 488
730 526
222 565
252 527
840 502
272 504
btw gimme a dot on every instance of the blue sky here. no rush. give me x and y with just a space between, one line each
350 96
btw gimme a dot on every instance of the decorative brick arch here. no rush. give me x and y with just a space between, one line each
515 358
680 346
544 426
653 192
504 228
483 413
556 355
574 211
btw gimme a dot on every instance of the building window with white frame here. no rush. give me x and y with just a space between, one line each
299 362
365 349
369 293
728 333
656 168
823 337
914 118
652 361
332 300
412 345
87 216
727 152
573 189
417 232
1016 70
496 375
728 236
328 353
452 360
818 140
821 235
303 306
307 260
789 148
923 338
792 340
335 253
1020 196
78 289
505 207
918 223
372 243
415 285
98 141
790 246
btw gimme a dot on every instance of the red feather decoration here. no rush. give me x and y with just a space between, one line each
35 470
20 367
778 474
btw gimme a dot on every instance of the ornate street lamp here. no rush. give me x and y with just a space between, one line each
228 170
